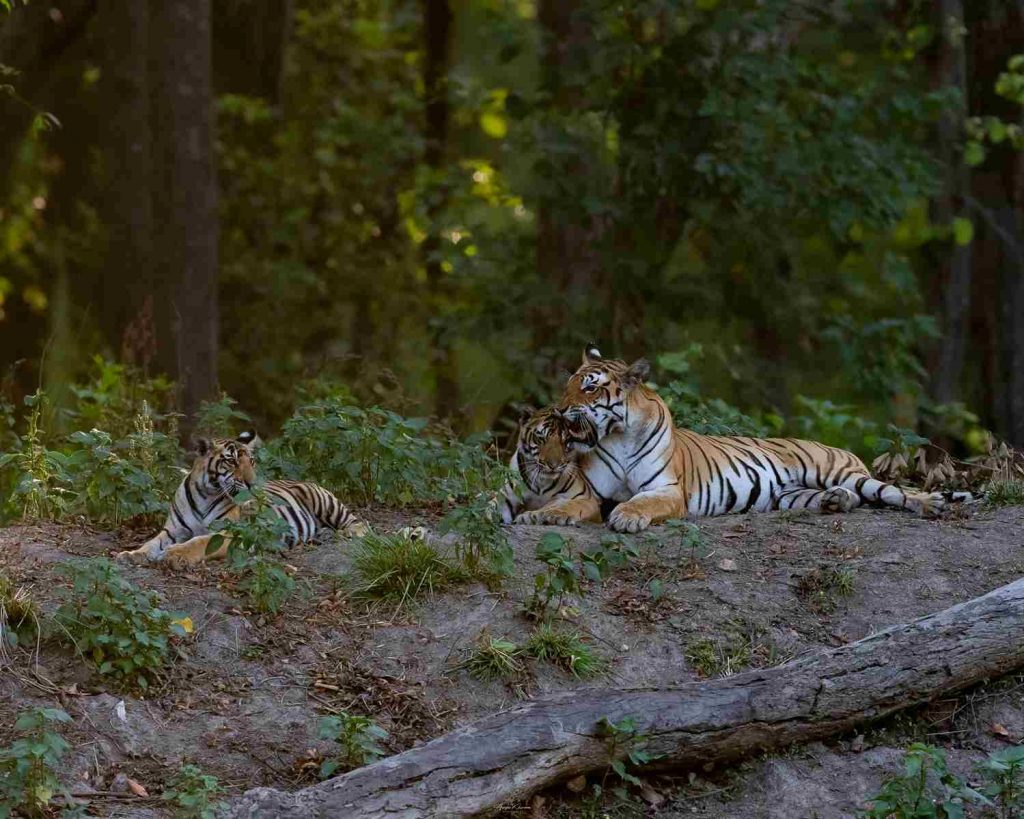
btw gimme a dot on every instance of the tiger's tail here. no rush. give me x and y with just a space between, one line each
872 490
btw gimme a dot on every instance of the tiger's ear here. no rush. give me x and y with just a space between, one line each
591 353
526 412
637 372
202 446
249 439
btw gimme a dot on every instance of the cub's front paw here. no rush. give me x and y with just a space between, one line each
136 556
627 522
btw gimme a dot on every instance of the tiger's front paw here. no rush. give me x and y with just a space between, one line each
183 558
136 556
538 517
412 533
357 529
627 522
838 500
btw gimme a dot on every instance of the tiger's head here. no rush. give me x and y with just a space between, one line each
547 444
225 465
598 391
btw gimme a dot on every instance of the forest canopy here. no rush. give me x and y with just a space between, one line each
807 215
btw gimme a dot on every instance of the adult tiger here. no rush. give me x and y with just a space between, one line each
549 468
222 468
663 472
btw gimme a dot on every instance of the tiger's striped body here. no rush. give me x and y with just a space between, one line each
224 467
660 472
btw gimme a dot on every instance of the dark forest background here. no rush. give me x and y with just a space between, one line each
807 214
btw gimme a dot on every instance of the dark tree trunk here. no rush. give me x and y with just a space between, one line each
437 33
249 44
184 198
954 281
500 759
127 204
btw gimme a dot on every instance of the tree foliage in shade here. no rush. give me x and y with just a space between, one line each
437 203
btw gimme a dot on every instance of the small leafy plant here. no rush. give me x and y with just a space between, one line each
567 650
399 569
37 474
624 744
255 540
926 788
690 539
559 577
357 739
742 644
1005 493
193 794
612 554
483 547
28 766
116 626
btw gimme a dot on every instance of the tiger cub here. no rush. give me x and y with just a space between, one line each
222 468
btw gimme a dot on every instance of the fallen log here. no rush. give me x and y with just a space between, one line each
510 755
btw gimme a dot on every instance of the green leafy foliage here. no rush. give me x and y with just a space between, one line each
117 395
357 742
255 542
612 554
1005 493
29 765
625 745
221 418
928 790
483 541
37 474
493 658
193 794
559 578
116 626
375 455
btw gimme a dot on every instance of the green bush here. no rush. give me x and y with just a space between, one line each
19 615
116 626
375 455
35 475
567 650
117 396
483 545
29 765
400 569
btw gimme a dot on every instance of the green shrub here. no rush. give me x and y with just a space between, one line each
193 794
925 789
117 396
559 577
357 739
116 626
400 569
1005 493
28 766
221 418
374 455
37 476
613 553
624 743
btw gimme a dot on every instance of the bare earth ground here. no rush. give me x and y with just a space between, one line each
243 700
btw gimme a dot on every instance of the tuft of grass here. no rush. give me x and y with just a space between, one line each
567 650
822 587
1005 493
494 659
19 615
742 645
396 568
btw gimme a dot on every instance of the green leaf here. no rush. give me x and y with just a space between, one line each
974 153
963 231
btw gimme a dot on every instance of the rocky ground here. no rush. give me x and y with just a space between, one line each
244 698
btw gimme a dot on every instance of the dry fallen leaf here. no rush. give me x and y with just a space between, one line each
727 564
999 730
577 784
136 788
651 796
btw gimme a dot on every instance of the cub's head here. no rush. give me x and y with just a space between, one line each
226 464
598 391
546 445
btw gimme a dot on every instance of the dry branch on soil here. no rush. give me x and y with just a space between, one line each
514 753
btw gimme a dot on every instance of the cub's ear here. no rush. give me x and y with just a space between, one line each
249 439
202 446
637 372
526 412
591 353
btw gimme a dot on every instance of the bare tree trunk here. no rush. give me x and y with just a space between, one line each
185 198
249 46
955 275
127 143
437 33
508 756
